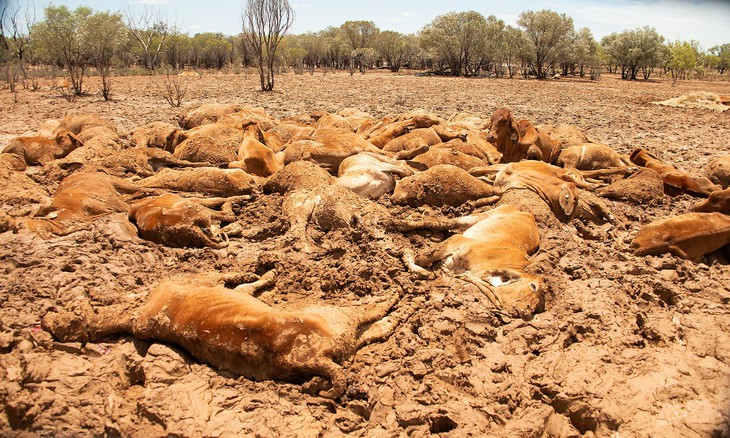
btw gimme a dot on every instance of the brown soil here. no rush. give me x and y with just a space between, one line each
627 344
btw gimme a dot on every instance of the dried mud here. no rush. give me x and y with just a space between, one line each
627 345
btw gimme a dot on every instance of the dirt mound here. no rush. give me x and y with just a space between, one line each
699 99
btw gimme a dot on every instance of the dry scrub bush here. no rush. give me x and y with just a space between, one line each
173 89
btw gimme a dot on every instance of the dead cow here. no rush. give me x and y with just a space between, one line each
718 201
671 175
689 236
440 185
371 175
590 156
38 151
233 331
492 254
210 181
558 187
185 222
254 156
719 171
519 140
80 199
157 135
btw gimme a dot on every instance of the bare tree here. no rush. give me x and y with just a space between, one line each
15 31
151 30
265 22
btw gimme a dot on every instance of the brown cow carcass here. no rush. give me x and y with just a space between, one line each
590 156
689 236
192 117
718 201
233 331
216 144
254 156
175 221
209 181
493 255
565 136
79 200
558 187
519 140
672 176
719 171
371 175
38 151
157 135
440 185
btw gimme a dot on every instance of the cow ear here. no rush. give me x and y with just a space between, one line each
515 130
73 137
567 200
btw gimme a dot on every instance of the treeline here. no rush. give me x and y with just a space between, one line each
544 43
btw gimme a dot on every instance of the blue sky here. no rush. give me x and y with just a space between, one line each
706 21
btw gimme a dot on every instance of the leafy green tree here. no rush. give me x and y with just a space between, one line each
360 34
548 38
457 41
514 48
396 48
104 35
683 59
634 50
722 53
211 50
585 51
491 53
60 40
337 49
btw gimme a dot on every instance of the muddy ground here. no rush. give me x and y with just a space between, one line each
627 345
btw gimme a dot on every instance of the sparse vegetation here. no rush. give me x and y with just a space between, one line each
173 88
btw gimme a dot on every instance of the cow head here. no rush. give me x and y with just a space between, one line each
174 138
503 126
66 142
252 127
520 294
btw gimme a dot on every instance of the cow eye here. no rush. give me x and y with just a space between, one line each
533 286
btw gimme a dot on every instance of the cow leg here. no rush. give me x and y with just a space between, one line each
125 187
486 170
411 153
216 203
439 224
592 208
83 324
325 366
483 287
266 280
598 173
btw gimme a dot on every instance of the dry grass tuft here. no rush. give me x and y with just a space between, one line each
699 99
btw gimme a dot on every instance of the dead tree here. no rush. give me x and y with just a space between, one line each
265 22
151 30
